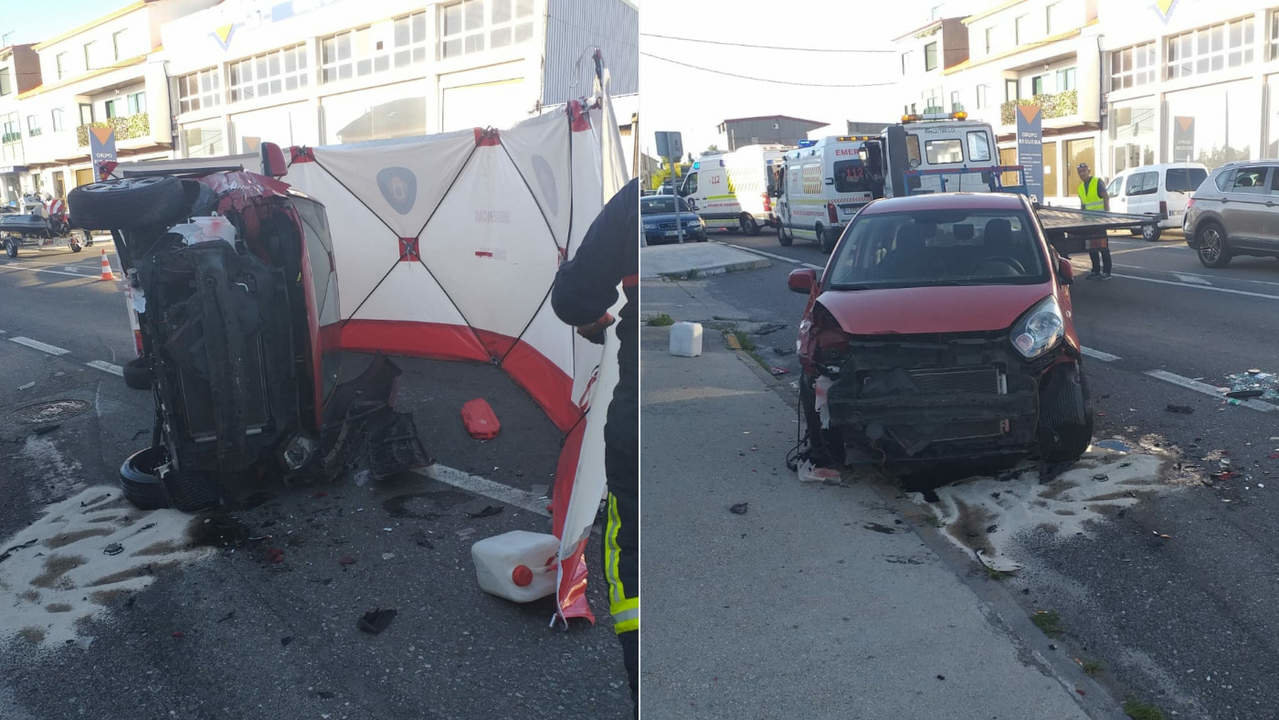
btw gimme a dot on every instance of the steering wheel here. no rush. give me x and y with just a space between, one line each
1010 262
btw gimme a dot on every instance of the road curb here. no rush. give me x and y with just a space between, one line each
710 270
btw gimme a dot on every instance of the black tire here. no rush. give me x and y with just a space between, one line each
828 239
139 482
128 203
75 246
1150 233
748 224
137 374
782 238
190 491
1070 438
1213 250
11 247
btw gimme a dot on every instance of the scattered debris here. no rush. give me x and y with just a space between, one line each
1243 394
274 555
376 620
480 420
880 528
388 556
941 677
778 370
1158 534
226 617
1180 409
284 641
487 511
346 560
422 539
5 555
739 508
27 386
179 634
113 549
1048 621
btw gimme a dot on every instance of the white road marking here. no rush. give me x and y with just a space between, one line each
487 488
1098 355
10 266
1192 279
107 367
774 256
1211 288
1207 389
37 345
1210 278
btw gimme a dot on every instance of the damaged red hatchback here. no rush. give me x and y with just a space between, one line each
941 330
232 277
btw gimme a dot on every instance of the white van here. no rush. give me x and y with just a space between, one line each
1162 190
825 183
731 190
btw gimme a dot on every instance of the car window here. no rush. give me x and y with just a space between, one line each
944 151
1249 180
978 146
1222 181
1115 188
690 184
851 176
912 150
1185 179
938 247
1143 183
1274 183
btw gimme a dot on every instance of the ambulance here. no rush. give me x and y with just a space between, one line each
825 182
733 191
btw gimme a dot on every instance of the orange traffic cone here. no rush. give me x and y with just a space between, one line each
106 267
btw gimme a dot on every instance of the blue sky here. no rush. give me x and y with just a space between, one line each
31 22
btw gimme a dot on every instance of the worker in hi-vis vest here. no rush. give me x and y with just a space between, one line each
1092 196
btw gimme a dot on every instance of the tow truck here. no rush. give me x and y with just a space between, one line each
923 154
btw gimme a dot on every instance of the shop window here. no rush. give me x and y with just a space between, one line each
1132 66
268 74
1008 158
1078 151
204 141
199 90
1211 48
472 26
1050 166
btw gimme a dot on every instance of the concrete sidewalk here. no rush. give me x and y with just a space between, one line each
818 601
696 260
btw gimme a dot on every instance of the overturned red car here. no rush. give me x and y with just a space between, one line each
941 330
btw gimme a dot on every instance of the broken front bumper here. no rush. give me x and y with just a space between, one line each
933 398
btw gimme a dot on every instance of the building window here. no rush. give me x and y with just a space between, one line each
1065 79
1210 48
982 100
111 109
199 90
33 125
267 74
5 83
58 123
1132 66
1037 85
1273 46
12 130
930 57
1021 26
472 25
137 103
410 39
61 61
990 40
955 104
1053 18
905 56
86 113
90 54
1011 90
120 44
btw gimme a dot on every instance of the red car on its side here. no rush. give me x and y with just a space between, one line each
941 330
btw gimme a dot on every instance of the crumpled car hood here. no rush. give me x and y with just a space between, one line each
979 308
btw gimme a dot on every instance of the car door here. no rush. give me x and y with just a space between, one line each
1244 206
1269 220
1142 193
1115 190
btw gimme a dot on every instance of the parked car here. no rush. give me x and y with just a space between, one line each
941 330
1235 212
660 220
1161 190
232 275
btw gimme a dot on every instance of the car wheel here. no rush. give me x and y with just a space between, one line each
827 238
11 247
1065 416
137 374
189 491
128 203
825 446
748 224
1150 232
1213 251
138 479
782 238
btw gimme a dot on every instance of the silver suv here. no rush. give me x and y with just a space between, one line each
1235 212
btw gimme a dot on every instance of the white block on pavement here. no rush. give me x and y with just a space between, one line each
686 339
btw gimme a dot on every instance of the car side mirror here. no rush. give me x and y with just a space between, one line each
830 181
802 280
1065 271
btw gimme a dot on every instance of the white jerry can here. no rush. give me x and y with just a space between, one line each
686 339
516 565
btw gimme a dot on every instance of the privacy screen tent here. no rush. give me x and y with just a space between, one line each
446 247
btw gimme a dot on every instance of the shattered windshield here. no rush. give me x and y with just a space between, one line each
939 247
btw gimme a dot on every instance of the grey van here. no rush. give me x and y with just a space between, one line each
1235 212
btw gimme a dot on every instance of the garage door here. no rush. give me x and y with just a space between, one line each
501 104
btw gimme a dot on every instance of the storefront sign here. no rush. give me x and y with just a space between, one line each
102 151
1183 139
1030 148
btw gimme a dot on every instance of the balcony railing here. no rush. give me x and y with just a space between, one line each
126 127
1052 105
10 137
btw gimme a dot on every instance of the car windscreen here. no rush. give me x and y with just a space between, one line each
939 247
660 204
1185 179
851 176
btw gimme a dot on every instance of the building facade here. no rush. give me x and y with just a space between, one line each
926 53
764 130
19 72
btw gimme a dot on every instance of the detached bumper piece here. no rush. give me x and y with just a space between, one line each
935 398
363 433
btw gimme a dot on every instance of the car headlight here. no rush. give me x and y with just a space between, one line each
1039 330
650 226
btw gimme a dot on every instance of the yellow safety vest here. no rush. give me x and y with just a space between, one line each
1090 195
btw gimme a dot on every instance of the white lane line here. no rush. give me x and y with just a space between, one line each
774 256
1210 278
1207 389
487 488
1229 291
107 367
47 270
1192 279
37 345
1098 355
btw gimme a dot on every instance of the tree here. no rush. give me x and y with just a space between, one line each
712 148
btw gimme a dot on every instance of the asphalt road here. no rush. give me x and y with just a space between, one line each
1174 596
258 618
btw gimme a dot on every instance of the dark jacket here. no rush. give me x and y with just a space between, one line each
586 286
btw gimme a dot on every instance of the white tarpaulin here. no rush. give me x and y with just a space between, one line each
446 246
